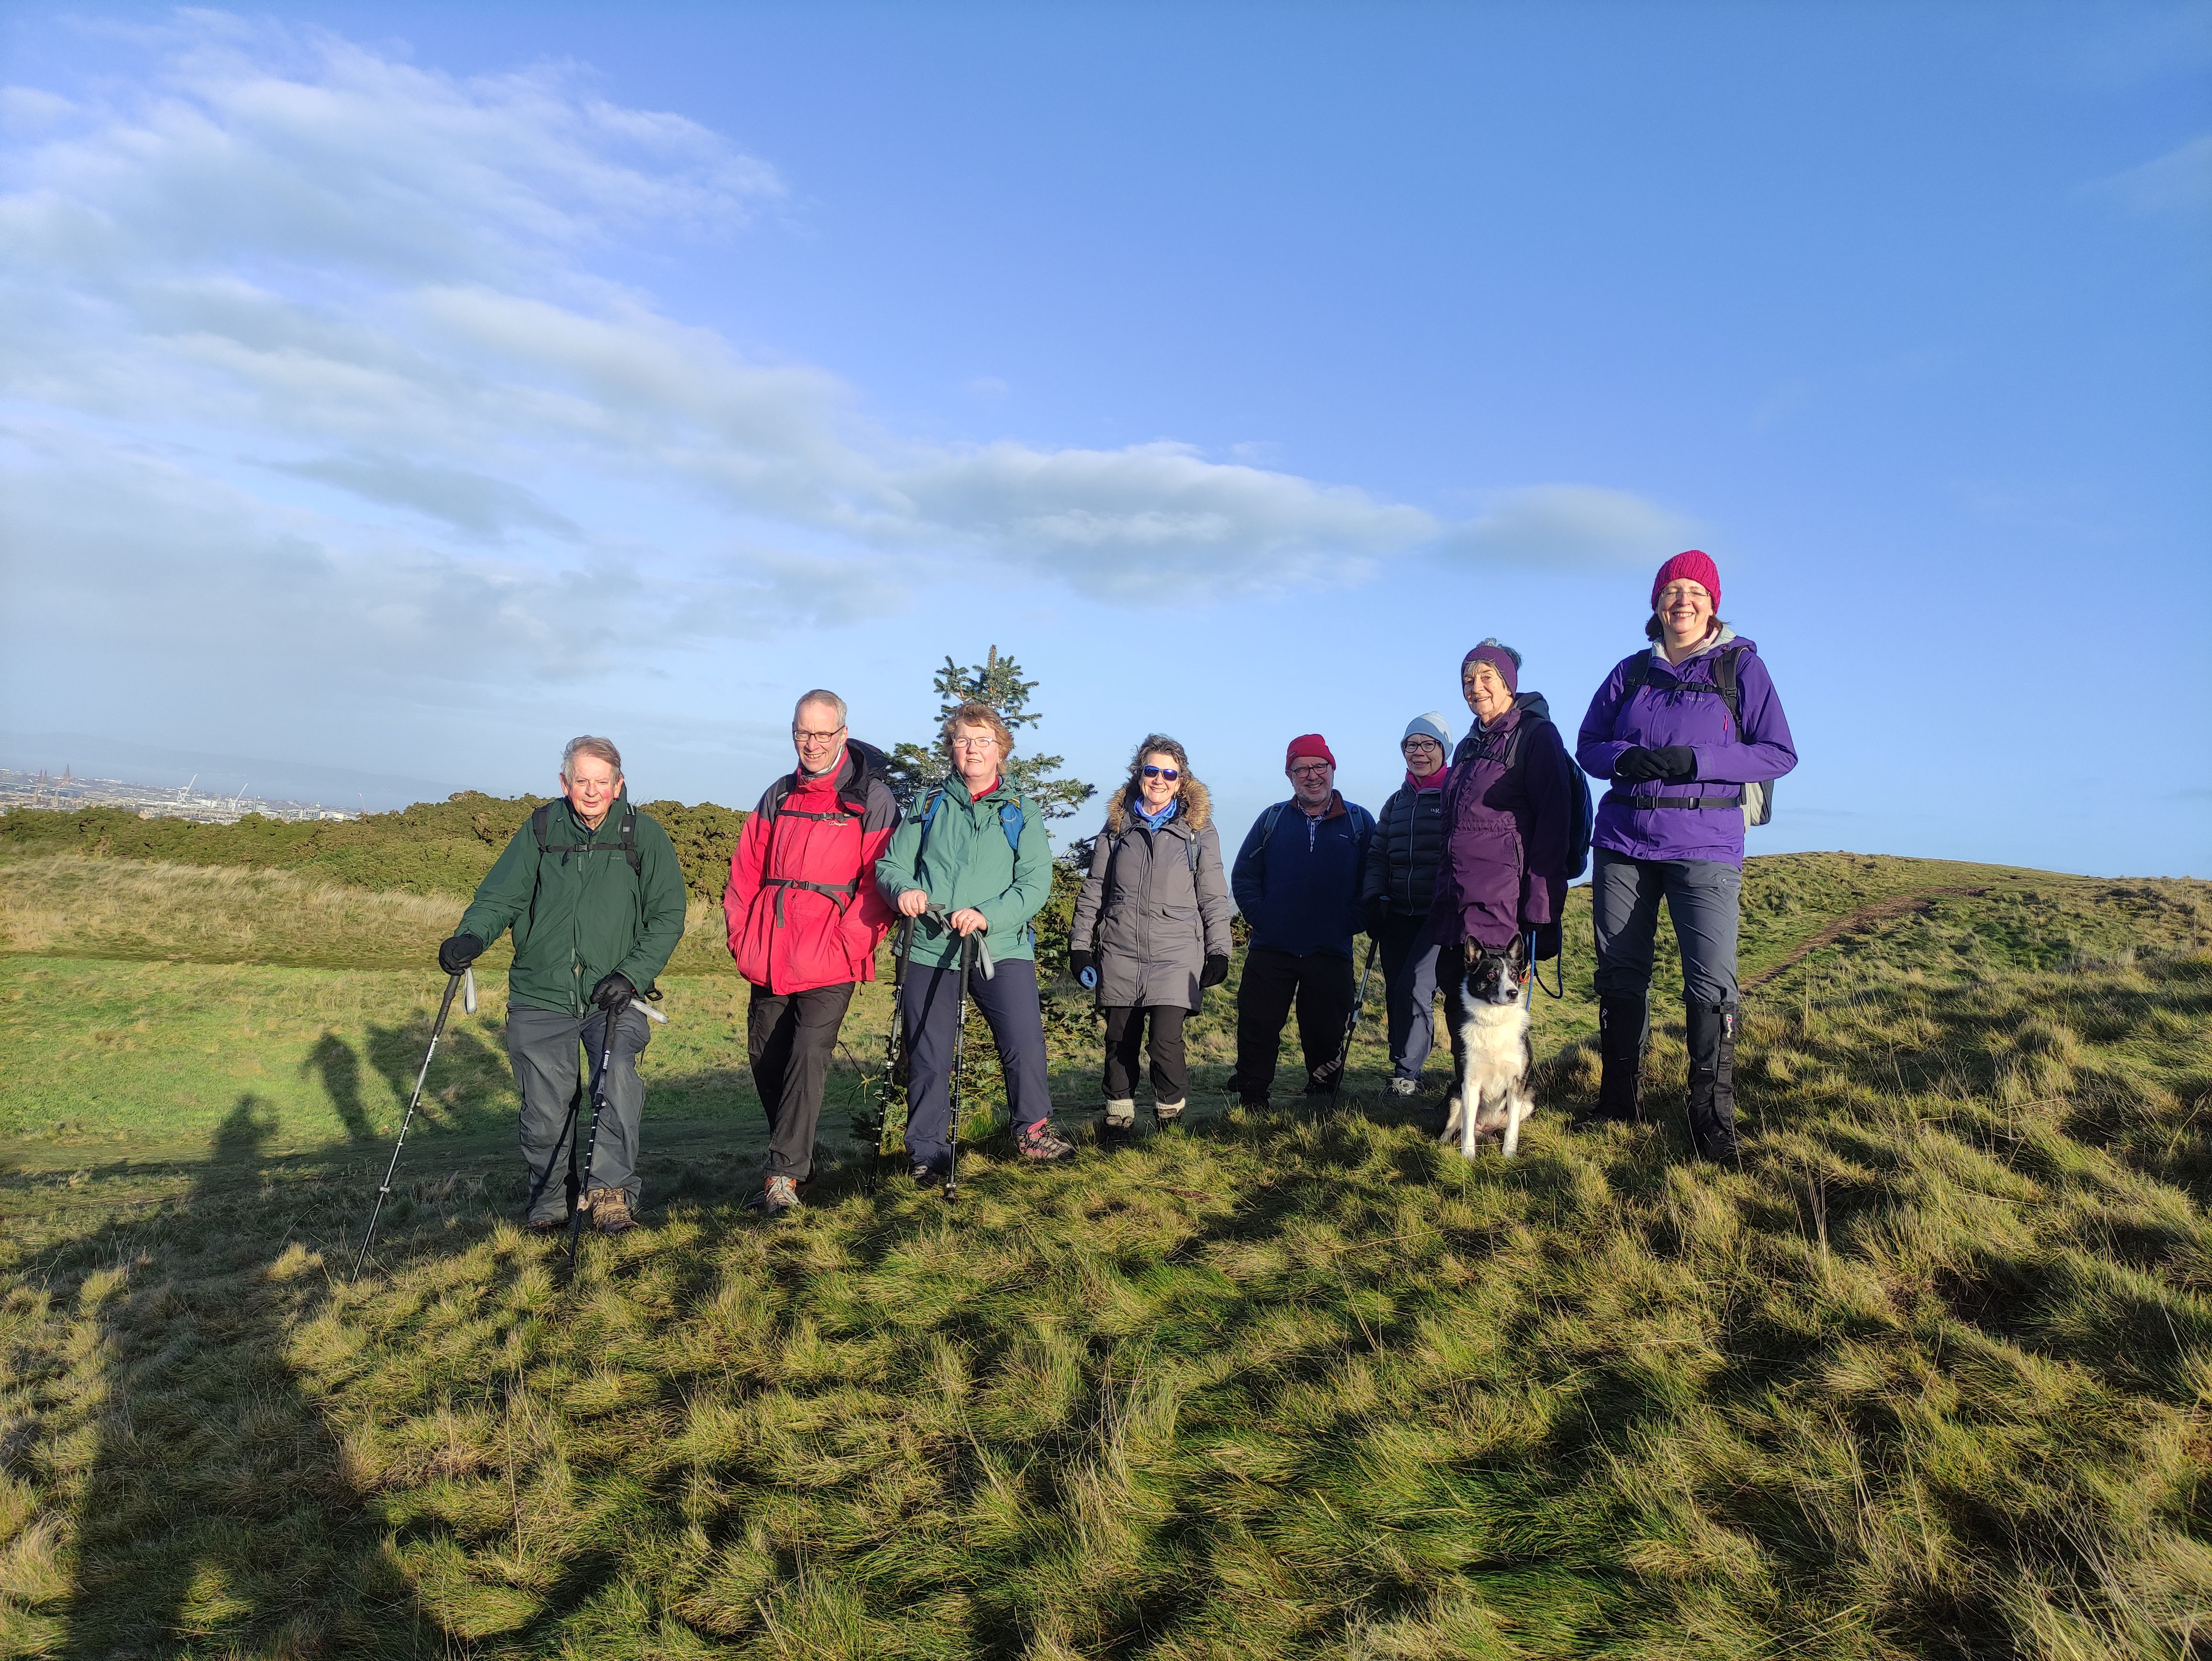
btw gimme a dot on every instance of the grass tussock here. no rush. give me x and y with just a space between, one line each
1928 1375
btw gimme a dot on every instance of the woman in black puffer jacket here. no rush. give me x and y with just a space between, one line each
1401 873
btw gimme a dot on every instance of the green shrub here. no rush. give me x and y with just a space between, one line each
442 848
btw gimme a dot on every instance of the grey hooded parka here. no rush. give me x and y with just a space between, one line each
1156 904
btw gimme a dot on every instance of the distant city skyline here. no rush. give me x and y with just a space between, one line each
396 392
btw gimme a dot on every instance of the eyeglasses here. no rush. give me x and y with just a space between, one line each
1168 773
805 737
988 741
1319 769
1420 744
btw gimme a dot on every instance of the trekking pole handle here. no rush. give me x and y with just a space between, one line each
648 1011
469 991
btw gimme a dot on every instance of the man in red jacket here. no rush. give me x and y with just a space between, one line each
806 918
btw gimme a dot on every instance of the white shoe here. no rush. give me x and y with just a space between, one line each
1405 1087
1169 1111
1122 1115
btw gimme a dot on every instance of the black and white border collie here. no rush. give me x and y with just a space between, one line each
1494 1054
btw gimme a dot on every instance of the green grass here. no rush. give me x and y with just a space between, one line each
1930 1375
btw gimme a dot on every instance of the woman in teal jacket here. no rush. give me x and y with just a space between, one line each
972 859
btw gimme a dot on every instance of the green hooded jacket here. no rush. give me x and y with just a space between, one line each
963 860
579 917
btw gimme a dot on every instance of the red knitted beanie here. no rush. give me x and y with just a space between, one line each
1694 566
1308 743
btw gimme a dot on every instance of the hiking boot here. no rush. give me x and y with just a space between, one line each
1041 1142
543 1226
1405 1087
1169 1112
1120 1115
926 1173
779 1195
610 1209
1623 1026
1711 1104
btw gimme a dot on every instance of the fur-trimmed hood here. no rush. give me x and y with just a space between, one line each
1194 806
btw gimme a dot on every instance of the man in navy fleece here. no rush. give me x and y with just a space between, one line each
1297 880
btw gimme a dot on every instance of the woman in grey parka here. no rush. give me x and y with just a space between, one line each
1151 925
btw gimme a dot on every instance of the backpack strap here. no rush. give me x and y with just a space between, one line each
625 841
1724 682
1268 820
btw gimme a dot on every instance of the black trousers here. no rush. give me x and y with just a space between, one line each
791 1037
1320 984
1125 1037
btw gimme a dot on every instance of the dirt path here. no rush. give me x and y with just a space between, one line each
1883 911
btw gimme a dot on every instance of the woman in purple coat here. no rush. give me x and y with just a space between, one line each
1692 735
1507 811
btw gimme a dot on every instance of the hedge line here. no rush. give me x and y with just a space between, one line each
432 847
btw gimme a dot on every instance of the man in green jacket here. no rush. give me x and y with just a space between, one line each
974 854
592 889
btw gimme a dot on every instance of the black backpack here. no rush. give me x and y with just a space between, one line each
1756 800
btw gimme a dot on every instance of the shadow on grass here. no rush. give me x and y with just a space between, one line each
212 1509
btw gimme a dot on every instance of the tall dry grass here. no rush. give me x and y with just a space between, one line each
69 905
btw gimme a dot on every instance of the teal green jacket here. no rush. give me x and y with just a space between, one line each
963 860
578 917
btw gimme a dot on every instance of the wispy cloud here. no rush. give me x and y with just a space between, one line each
2179 182
279 265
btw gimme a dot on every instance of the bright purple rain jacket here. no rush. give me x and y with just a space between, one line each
1678 704
1503 870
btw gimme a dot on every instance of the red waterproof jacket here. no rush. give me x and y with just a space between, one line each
802 904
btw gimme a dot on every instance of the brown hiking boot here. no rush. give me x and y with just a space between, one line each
610 1209
1043 1143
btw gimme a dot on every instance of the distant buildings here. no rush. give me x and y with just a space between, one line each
69 793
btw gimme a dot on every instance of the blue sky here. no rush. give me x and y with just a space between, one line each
403 389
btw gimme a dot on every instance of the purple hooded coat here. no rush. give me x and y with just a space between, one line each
1678 704
1503 870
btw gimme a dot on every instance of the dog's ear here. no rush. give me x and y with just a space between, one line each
1517 954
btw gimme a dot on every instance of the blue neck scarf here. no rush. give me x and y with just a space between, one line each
1153 821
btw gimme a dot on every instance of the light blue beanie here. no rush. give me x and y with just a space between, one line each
1433 724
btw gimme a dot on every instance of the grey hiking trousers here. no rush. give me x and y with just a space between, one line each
542 1044
1703 898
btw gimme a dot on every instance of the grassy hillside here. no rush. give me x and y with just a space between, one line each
1930 1375
442 848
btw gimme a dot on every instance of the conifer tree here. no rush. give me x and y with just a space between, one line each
997 681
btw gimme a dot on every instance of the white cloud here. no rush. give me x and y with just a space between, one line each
2179 182
1569 524
279 261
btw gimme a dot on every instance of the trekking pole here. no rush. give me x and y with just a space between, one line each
1344 1054
874 1127
466 979
599 1106
967 944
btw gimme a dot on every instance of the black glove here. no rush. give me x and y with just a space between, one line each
1548 941
613 991
1637 764
1378 916
1216 969
1080 964
457 954
1679 763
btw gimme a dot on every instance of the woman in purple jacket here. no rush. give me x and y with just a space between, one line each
1507 809
1691 734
